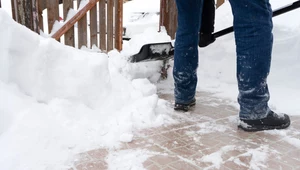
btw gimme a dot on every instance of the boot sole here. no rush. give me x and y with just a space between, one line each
263 127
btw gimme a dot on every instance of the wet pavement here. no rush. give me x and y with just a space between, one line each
207 137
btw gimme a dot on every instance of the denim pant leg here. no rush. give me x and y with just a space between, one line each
254 40
186 50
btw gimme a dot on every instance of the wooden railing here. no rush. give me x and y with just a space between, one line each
99 22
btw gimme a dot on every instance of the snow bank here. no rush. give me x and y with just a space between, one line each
45 69
57 101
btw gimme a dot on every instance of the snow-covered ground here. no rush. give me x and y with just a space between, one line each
57 101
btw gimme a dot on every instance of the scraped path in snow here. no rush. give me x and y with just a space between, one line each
204 138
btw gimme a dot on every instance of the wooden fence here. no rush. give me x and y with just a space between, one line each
168 15
98 21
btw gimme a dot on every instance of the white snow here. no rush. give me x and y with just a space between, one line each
127 159
258 157
216 157
57 101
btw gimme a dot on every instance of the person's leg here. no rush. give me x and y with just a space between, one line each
254 40
186 50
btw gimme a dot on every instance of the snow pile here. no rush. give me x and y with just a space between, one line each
45 70
57 101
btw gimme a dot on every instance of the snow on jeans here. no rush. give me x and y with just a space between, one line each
254 40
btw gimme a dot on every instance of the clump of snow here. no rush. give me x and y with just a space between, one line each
210 127
216 157
258 157
125 137
289 135
127 159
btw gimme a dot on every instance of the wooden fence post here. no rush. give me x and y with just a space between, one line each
102 25
219 3
118 24
53 13
25 12
82 29
110 25
69 35
41 6
13 10
168 15
168 18
93 27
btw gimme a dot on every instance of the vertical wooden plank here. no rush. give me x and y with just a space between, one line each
93 26
13 10
82 30
69 35
53 13
22 13
118 24
27 13
41 6
102 24
110 22
172 19
162 13
219 3
168 17
35 17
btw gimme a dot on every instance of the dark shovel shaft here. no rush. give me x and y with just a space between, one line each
277 12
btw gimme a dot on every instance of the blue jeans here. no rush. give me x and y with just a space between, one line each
254 40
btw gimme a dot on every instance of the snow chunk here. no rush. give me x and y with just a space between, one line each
144 86
126 137
127 159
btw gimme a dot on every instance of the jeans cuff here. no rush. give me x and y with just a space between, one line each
254 115
178 101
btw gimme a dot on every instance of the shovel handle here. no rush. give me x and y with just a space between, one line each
277 12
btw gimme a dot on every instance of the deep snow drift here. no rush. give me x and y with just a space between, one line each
57 101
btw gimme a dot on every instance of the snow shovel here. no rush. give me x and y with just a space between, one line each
165 51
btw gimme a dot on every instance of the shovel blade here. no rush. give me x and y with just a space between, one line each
154 51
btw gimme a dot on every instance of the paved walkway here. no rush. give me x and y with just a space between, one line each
208 138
